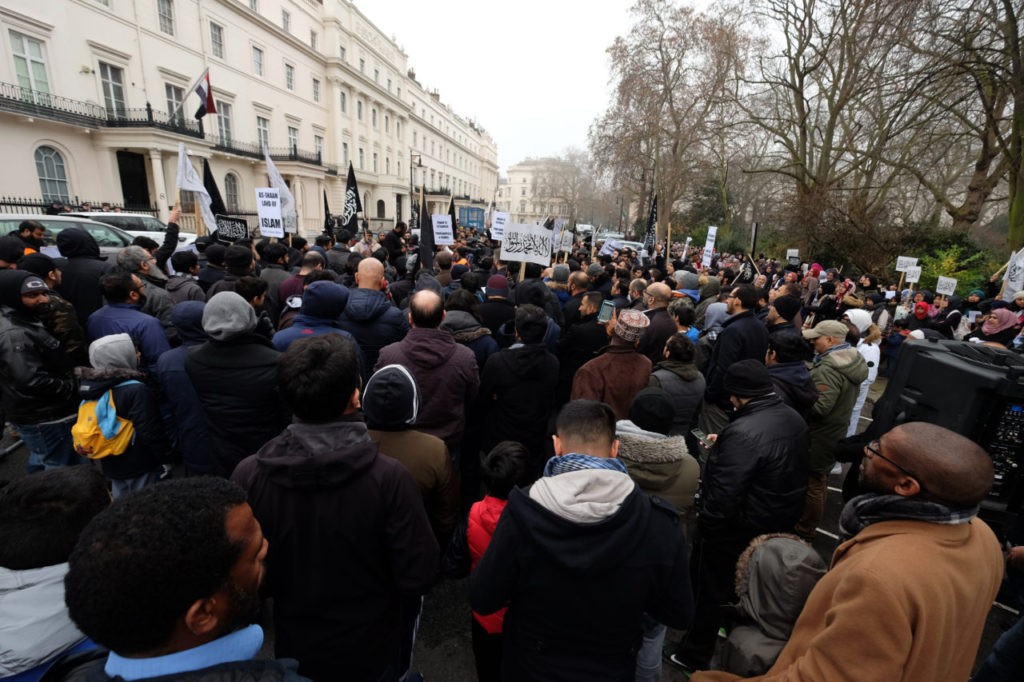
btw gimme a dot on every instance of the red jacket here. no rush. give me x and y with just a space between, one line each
483 518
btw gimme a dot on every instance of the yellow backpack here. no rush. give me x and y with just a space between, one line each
99 432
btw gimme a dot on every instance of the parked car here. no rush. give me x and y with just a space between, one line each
110 239
137 224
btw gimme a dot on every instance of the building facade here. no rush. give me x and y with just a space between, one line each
95 99
532 192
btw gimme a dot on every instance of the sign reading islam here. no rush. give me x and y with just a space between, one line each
268 208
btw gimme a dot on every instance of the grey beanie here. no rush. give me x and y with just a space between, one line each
228 315
114 350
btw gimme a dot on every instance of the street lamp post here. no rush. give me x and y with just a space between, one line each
413 218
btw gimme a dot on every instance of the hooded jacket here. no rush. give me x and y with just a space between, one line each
793 383
145 330
837 375
579 558
446 374
715 315
660 465
374 322
36 381
184 288
465 329
517 397
322 304
685 384
708 294
743 337
80 275
580 344
349 541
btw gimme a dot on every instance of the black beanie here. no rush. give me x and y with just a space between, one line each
652 410
748 379
787 307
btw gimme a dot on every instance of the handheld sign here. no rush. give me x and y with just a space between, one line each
498 223
946 286
793 256
527 244
566 243
913 274
268 207
609 247
230 230
709 246
443 233
905 262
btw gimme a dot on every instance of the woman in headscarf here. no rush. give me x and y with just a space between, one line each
918 318
999 327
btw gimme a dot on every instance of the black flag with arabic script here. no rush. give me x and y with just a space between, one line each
353 205
328 220
216 202
652 228
426 252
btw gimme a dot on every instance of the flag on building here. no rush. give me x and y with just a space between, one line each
217 206
353 206
205 93
426 253
652 228
190 181
289 216
328 220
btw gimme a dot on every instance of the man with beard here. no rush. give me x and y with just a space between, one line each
168 579
926 486
31 233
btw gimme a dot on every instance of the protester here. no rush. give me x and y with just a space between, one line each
123 314
787 368
81 273
369 316
183 286
868 339
58 315
662 324
619 372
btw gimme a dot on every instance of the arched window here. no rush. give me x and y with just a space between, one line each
380 208
53 179
231 192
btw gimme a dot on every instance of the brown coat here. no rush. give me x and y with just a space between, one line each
904 601
613 377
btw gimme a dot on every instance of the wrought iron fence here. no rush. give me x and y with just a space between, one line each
17 99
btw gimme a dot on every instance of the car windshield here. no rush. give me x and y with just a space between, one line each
103 234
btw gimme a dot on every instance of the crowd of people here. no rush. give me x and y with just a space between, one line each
610 447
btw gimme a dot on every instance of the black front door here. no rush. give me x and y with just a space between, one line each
134 186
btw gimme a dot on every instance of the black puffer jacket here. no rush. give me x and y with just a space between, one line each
80 276
756 473
374 322
793 383
743 337
236 381
517 396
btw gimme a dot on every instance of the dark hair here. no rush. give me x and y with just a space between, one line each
42 515
531 323
323 240
680 347
117 286
470 281
215 254
533 270
427 311
274 252
587 421
685 315
183 261
593 298
789 346
249 287
30 226
319 276
298 242
343 236
746 294
380 254
317 376
460 299
505 467
145 242
140 564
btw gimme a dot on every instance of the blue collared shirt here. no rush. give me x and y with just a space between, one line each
240 645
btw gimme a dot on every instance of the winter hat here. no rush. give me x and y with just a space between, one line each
215 254
32 284
324 299
12 284
458 271
39 264
652 410
748 379
631 324
497 285
239 257
860 318
11 249
390 399
115 350
560 273
787 307
977 292
595 270
916 334
228 315
832 328
1019 294
688 280
187 318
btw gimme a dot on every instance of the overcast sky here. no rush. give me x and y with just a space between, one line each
533 73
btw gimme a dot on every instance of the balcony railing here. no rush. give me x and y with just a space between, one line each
17 99
150 118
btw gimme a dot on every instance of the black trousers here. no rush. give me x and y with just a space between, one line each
486 653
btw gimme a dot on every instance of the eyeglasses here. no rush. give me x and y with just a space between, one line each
875 449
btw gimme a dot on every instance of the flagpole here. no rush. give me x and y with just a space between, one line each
192 89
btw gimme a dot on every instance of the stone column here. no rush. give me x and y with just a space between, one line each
156 164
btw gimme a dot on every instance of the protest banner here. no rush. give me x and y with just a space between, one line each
793 256
230 230
268 208
609 247
913 274
904 262
565 243
498 223
946 286
527 244
709 246
444 235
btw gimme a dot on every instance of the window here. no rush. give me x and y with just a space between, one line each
341 52
314 39
359 110
375 162
224 122
398 129
231 192
165 11
263 131
373 117
316 90
376 75
289 76
53 179
389 85
217 40
387 123
344 153
175 96
318 146
399 172
293 139
387 165
343 102
522 192
257 61
254 5
286 21
112 80
361 158
30 65
362 65
414 135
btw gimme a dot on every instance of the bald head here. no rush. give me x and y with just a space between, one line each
370 274
952 468
660 295
426 310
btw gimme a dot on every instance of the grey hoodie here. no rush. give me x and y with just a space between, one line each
113 351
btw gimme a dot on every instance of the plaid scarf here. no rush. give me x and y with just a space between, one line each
577 462
864 510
